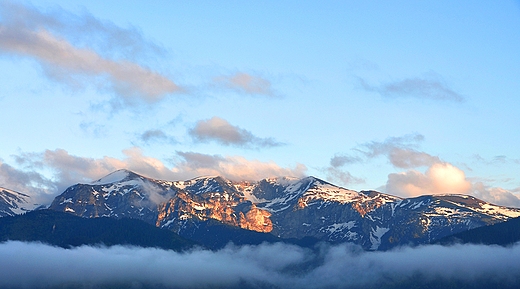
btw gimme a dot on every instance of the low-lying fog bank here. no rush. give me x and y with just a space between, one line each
35 265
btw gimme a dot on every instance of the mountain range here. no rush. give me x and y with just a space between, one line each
285 208
124 208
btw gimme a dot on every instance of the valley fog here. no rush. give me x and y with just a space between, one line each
36 265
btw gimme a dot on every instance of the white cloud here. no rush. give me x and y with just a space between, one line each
444 178
440 178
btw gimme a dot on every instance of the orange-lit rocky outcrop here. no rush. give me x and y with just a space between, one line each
218 206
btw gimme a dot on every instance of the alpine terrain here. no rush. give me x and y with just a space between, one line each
284 207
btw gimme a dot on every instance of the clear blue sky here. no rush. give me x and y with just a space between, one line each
405 97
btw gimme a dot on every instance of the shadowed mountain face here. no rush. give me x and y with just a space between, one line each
283 207
66 230
504 234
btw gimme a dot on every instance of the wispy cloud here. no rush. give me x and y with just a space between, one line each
34 265
430 87
221 131
245 83
68 47
339 176
496 160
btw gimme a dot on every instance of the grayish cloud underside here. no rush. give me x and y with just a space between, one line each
341 160
41 189
221 131
422 88
70 59
156 135
34 265
198 160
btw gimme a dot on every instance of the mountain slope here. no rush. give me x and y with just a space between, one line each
284 207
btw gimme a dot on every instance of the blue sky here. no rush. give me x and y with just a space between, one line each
402 97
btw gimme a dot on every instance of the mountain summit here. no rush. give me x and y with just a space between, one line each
284 207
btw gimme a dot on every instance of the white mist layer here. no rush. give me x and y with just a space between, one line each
35 265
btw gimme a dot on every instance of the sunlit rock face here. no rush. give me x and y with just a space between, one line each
284 207
228 208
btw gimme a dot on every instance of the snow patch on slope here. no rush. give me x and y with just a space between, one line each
376 235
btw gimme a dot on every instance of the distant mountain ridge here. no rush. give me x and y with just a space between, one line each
504 234
284 207
14 203
66 230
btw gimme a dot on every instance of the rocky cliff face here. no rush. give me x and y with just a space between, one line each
284 207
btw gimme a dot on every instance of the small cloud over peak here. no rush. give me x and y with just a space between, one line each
245 83
221 131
